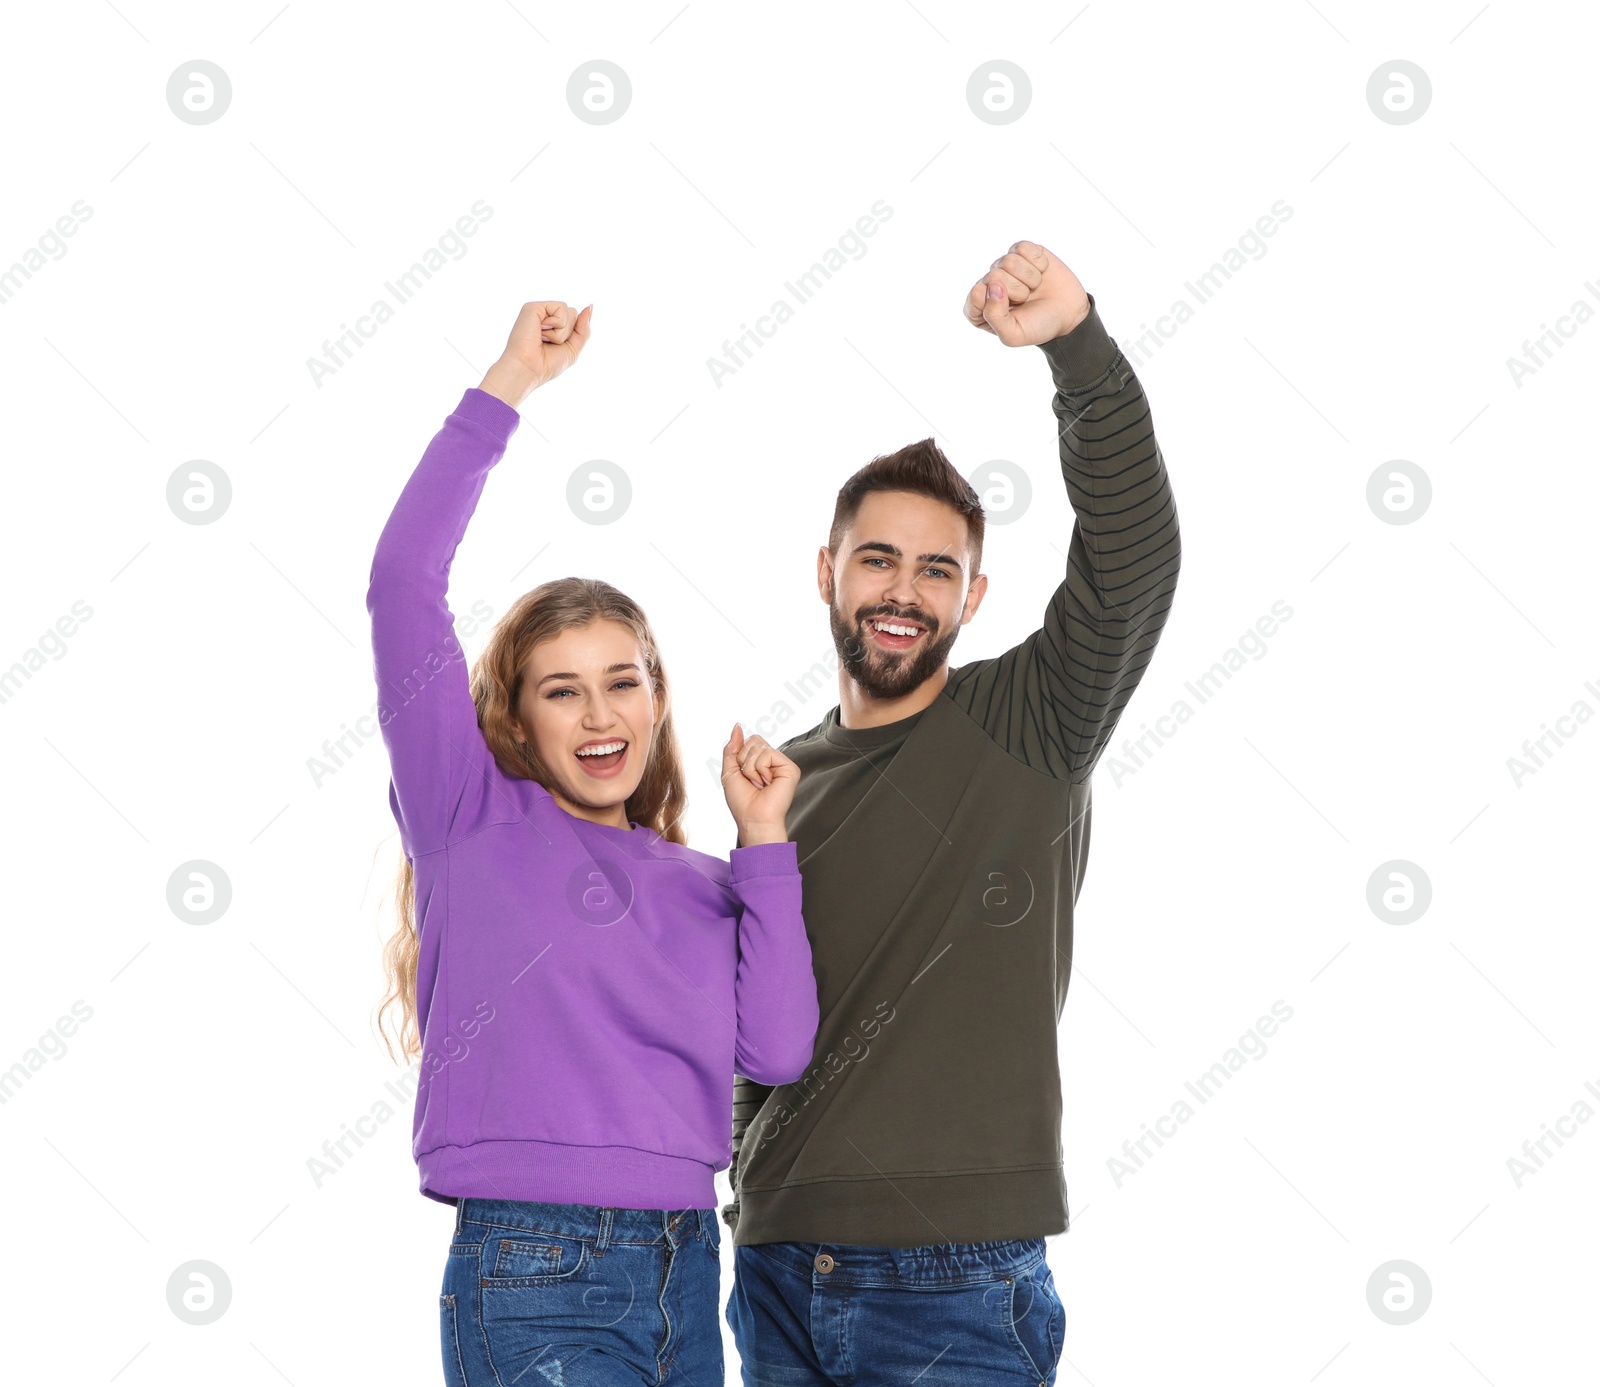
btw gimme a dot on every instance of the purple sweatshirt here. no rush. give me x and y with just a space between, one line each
584 993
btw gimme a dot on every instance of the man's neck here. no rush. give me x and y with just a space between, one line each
858 708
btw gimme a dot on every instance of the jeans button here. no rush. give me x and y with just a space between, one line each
823 1263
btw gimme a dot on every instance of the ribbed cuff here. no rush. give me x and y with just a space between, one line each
489 412
764 860
1078 359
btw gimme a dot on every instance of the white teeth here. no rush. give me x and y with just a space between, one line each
605 750
894 630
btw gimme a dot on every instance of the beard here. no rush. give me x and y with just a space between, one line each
888 674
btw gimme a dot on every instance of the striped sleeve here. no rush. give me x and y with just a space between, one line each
748 1096
1053 700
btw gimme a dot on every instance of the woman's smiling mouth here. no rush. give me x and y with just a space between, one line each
602 757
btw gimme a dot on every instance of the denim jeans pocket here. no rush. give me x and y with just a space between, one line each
532 1258
1035 1321
563 1309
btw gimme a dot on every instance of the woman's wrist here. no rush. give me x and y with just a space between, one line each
509 380
752 835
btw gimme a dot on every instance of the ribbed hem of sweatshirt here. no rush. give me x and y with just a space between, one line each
616 1177
985 1206
1078 359
489 412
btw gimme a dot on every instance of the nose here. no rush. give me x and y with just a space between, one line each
902 590
598 716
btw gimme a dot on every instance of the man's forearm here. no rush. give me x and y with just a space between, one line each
1112 466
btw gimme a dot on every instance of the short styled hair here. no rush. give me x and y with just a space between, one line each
921 468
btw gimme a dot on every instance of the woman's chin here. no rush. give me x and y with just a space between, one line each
600 797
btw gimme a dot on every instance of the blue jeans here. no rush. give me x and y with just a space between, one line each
948 1315
570 1295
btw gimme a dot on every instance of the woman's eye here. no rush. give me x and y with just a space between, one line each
620 684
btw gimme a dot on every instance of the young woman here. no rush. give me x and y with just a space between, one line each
578 983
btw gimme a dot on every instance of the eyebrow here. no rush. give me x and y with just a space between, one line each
880 547
568 674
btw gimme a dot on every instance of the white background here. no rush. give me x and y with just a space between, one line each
1229 872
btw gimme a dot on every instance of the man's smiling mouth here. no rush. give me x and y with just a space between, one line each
893 633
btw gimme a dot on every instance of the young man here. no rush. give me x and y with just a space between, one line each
891 1205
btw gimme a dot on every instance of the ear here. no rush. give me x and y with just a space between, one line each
969 609
825 575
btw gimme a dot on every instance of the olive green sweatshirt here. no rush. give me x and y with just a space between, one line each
940 860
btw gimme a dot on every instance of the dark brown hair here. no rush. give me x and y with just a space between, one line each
921 468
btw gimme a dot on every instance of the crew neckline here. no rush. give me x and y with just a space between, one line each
862 737
635 825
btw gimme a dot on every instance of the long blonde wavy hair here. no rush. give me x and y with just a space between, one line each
563 604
